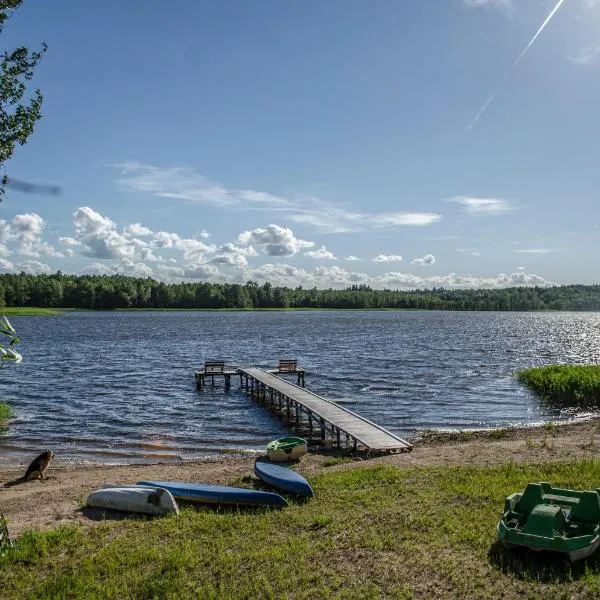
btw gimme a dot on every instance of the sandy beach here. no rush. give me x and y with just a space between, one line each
60 498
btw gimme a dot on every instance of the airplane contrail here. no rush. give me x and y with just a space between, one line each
525 50
537 33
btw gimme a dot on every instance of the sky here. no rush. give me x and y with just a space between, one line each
400 144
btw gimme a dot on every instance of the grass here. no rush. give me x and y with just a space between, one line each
376 532
30 311
565 385
5 411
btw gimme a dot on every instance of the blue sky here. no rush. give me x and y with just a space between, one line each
312 143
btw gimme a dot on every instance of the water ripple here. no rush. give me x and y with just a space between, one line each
118 387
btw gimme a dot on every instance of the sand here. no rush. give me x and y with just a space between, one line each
59 499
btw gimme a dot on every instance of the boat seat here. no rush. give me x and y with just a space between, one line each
561 500
532 496
587 509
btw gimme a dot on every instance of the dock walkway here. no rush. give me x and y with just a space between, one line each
325 412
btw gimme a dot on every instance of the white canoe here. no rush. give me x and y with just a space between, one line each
149 501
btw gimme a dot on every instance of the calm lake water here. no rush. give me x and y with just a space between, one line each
119 387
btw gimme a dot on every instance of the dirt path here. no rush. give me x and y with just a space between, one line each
60 498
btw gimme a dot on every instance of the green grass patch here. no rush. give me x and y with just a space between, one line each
30 311
377 532
5 411
564 385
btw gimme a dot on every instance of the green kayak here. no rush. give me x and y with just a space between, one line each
287 448
556 519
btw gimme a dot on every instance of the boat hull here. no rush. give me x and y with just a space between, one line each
204 493
286 449
283 479
144 500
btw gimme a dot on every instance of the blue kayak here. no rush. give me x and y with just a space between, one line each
282 478
205 493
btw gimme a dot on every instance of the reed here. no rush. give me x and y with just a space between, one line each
564 385
5 411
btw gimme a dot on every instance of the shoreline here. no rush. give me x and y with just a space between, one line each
59 500
419 438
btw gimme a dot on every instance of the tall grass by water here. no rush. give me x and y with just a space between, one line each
565 385
377 532
5 411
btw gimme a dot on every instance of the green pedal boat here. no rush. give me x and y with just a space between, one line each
547 518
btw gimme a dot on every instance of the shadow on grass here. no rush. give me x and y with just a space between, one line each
543 566
106 514
261 486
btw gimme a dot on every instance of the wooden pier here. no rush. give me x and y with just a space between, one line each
214 368
324 415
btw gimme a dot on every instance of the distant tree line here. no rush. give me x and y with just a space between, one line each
104 292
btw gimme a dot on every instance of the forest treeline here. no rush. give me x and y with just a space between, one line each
104 292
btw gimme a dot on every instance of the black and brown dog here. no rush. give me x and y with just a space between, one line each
36 470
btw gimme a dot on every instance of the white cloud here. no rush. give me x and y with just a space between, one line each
338 278
231 260
454 281
274 240
125 267
6 266
506 6
69 241
33 267
27 230
204 234
185 184
137 229
428 259
99 237
586 56
469 251
4 231
330 219
321 254
535 251
352 258
381 258
482 206
201 271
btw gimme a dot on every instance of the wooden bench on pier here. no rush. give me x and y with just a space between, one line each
287 366
212 368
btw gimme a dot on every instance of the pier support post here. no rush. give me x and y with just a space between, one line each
227 381
322 429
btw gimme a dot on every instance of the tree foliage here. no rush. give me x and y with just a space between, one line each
7 330
17 116
104 292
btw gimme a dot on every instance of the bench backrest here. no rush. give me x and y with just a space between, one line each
214 366
288 365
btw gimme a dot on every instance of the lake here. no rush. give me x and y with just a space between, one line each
118 387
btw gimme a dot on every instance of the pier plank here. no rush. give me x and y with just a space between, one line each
369 434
